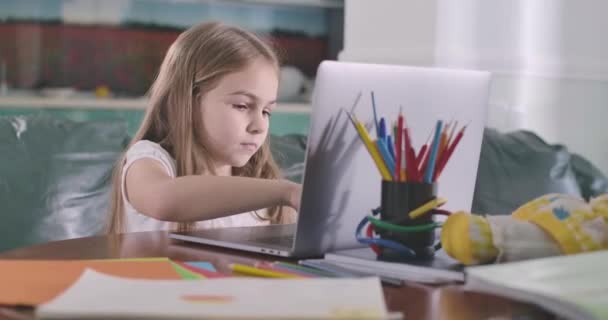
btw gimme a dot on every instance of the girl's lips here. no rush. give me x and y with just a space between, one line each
250 146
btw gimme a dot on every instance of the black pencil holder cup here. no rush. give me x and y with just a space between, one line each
398 199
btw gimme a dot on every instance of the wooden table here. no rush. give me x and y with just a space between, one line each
415 301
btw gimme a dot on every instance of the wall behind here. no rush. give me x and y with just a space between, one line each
548 59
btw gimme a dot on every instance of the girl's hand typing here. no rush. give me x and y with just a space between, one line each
293 194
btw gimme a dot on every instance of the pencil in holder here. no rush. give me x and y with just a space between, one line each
397 201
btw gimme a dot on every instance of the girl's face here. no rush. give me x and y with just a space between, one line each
236 114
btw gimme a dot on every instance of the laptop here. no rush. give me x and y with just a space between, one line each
341 183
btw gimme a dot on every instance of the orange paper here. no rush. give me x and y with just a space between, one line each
31 282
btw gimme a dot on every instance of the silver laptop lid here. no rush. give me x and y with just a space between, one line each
341 182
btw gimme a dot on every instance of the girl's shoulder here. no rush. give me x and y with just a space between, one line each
143 146
152 150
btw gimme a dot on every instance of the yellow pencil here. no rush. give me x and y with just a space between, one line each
253 271
371 148
426 207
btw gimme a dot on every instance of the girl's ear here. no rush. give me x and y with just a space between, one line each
195 100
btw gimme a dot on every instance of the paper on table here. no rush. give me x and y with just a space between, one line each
31 282
97 295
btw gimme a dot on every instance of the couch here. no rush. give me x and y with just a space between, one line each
54 177
55 174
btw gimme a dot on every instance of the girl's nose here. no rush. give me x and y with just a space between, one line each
257 123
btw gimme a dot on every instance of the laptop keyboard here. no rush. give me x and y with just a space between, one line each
283 241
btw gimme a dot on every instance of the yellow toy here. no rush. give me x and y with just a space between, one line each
553 224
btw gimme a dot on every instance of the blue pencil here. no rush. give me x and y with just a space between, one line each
375 116
382 129
386 155
391 146
428 175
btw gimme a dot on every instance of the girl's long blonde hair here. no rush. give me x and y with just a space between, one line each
193 65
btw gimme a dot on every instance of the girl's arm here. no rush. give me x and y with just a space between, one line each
151 191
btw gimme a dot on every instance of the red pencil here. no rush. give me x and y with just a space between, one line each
398 144
414 168
410 158
449 152
420 155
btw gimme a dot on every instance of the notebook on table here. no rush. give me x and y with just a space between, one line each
574 287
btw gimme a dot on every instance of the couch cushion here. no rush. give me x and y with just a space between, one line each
54 177
517 167
591 180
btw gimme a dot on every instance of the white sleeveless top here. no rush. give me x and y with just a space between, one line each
136 221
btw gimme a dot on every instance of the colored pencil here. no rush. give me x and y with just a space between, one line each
376 124
257 272
428 175
386 155
371 147
398 144
270 267
450 151
437 202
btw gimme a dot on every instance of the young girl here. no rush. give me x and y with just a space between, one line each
201 158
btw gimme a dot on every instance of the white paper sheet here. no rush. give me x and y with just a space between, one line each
97 295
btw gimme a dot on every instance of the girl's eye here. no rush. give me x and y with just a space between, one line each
267 113
240 106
